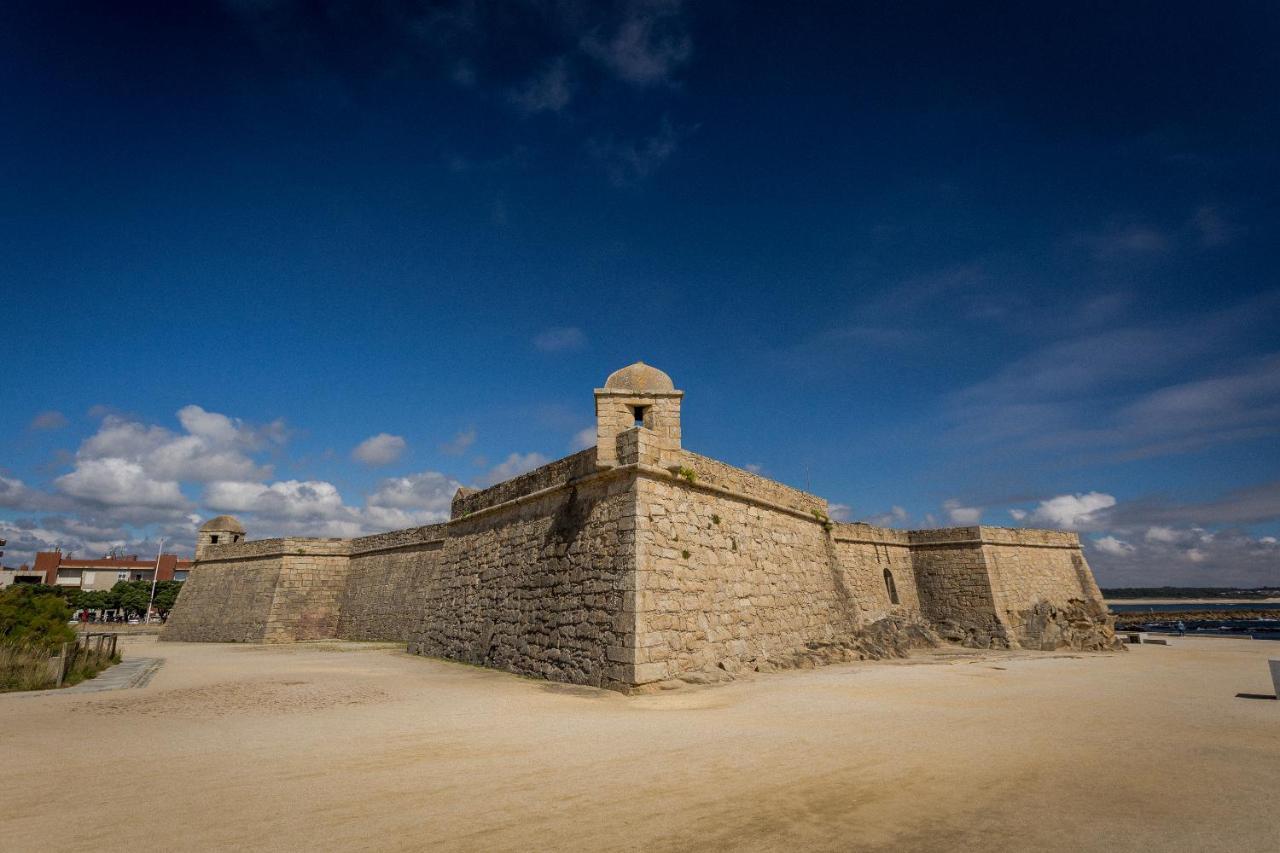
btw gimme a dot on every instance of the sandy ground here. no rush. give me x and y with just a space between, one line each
356 747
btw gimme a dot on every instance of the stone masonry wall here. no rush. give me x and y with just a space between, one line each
1044 590
998 587
539 587
954 587
727 584
226 601
552 474
313 574
713 472
389 576
640 574
866 553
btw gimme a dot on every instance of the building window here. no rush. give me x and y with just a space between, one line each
122 576
891 586
213 540
639 412
235 538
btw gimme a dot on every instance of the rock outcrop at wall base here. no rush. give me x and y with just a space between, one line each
891 637
1081 625
989 634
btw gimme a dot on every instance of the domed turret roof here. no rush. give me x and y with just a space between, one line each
639 377
223 524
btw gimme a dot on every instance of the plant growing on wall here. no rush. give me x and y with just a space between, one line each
685 473
821 518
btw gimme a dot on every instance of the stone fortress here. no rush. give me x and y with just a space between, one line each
638 563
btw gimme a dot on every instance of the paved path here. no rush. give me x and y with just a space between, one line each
132 672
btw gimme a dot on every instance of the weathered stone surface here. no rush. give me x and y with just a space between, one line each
639 565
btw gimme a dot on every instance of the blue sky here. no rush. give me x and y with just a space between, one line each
316 264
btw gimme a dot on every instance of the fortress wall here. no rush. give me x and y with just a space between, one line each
757 584
550 475
542 586
388 577
954 586
716 473
865 553
313 573
227 600
1029 566
1044 589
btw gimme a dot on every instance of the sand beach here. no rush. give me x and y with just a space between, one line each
342 746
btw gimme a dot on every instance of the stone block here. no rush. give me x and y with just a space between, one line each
646 672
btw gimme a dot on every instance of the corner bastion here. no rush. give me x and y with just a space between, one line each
637 562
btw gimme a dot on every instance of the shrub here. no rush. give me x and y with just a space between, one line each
35 618
685 473
33 626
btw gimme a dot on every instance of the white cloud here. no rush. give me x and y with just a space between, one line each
427 490
213 448
648 45
584 438
1072 512
380 449
1162 534
14 494
513 465
459 444
629 162
1112 545
896 517
48 421
287 499
1018 514
959 514
1186 556
217 428
316 508
550 90
840 512
119 482
560 339
1081 394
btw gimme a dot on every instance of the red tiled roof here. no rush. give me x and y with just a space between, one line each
50 562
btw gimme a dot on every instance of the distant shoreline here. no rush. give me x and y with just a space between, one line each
1192 600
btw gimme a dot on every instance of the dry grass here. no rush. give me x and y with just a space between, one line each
28 666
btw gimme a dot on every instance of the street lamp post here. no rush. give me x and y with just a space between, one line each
155 575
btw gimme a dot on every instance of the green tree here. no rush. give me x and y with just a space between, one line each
166 596
27 616
64 592
133 596
96 599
